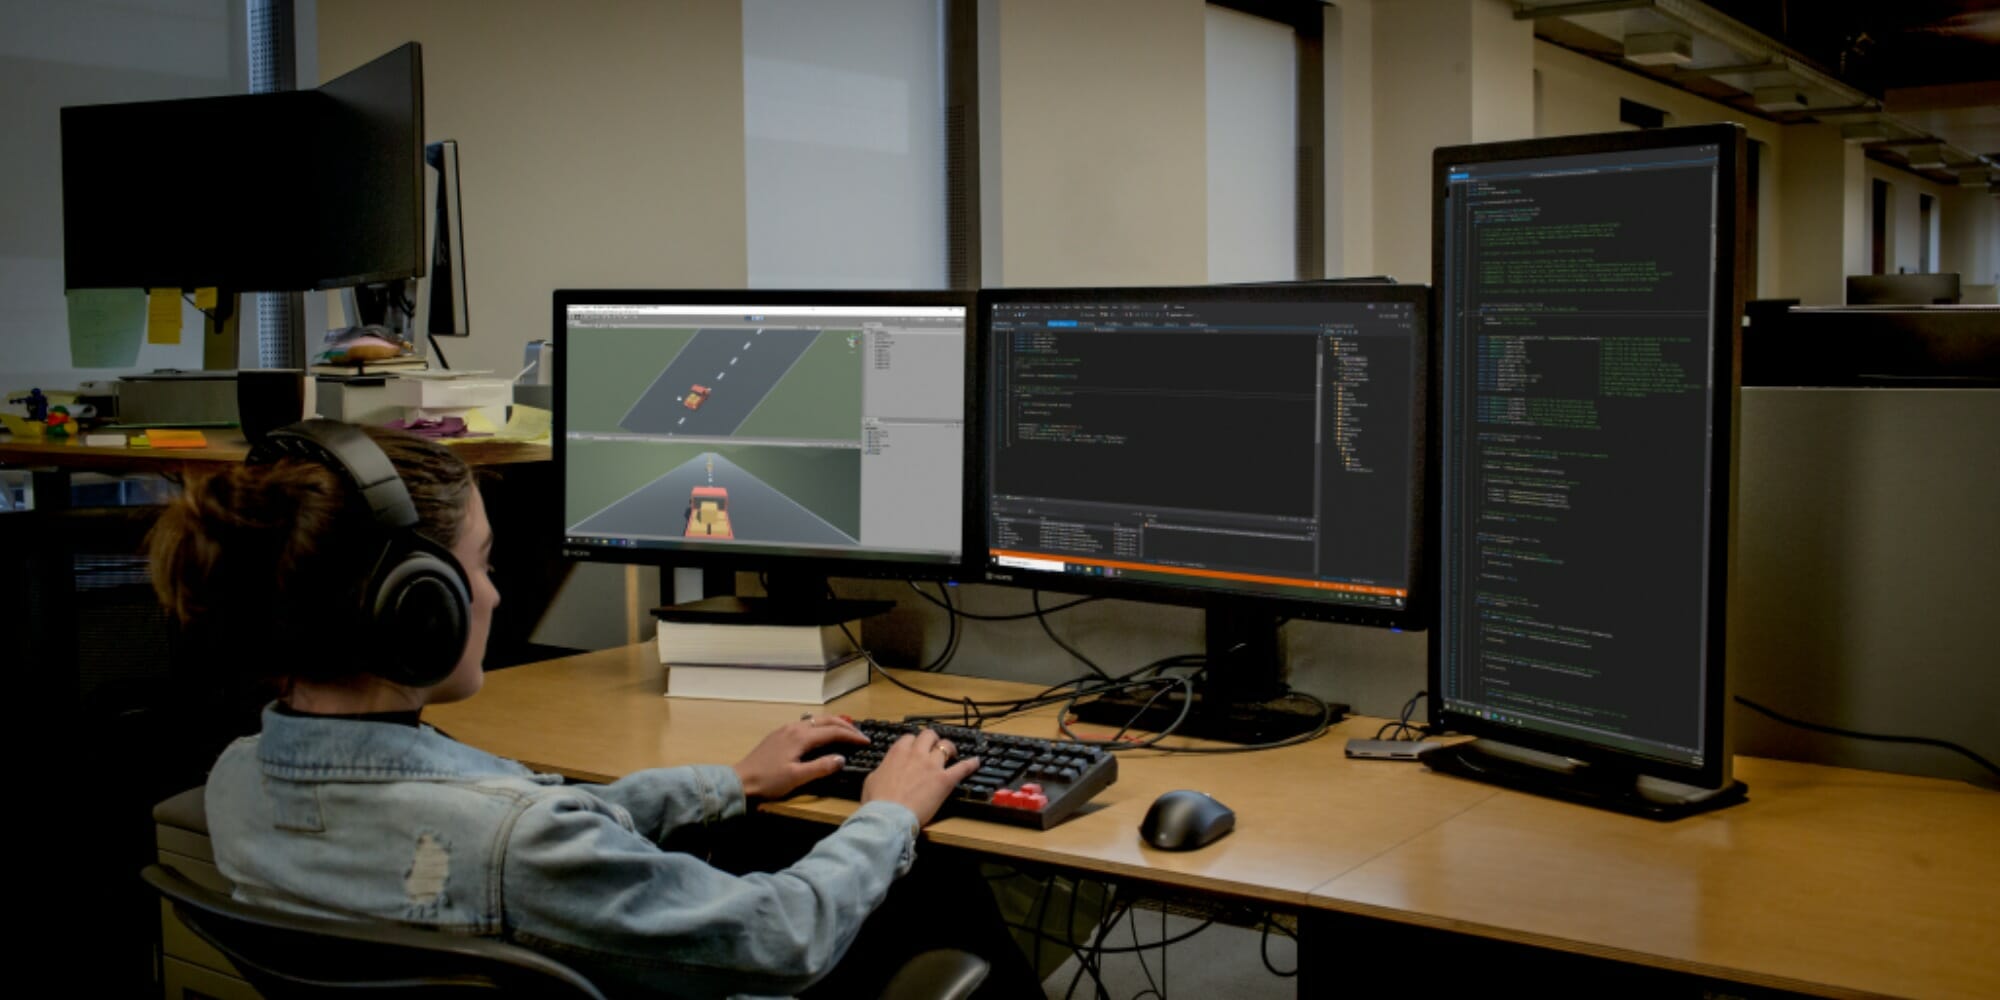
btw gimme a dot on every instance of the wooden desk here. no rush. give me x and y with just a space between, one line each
601 715
226 446
1828 881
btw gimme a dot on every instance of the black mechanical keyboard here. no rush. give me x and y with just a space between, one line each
1021 780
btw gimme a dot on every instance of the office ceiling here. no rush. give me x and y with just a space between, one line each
1916 82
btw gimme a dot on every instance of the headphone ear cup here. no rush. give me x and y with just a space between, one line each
422 612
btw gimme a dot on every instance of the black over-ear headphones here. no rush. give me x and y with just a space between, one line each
417 602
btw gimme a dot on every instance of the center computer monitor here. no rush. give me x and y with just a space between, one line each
1589 300
801 434
1257 451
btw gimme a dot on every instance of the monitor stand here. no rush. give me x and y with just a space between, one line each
790 599
1242 698
1600 785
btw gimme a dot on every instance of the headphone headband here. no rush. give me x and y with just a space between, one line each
345 449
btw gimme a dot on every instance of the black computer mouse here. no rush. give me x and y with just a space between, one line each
1183 820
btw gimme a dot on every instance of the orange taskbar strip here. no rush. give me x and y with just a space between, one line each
1210 574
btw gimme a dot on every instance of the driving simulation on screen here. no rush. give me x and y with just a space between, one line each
832 428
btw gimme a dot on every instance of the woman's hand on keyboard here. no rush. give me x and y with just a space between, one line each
774 769
918 772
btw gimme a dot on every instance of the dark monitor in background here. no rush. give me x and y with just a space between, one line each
1589 300
801 434
338 168
444 312
1902 289
1255 451
143 207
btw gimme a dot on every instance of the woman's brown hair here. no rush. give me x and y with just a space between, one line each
265 565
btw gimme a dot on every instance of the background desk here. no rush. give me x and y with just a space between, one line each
225 446
1831 881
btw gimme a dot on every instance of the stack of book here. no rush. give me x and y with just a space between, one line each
711 656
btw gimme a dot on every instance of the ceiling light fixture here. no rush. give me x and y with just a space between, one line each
1864 132
1925 157
1665 48
1779 99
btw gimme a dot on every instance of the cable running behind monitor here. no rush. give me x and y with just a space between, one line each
1255 450
1589 306
800 434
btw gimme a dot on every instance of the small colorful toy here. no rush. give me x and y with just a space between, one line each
58 423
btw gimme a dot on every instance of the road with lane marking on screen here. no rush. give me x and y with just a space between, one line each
738 367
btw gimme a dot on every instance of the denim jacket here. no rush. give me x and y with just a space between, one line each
342 817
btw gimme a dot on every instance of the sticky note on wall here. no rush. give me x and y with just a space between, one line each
163 316
105 327
204 298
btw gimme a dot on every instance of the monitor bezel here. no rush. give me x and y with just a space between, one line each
727 556
1718 751
1417 613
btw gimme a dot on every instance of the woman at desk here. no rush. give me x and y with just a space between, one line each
363 556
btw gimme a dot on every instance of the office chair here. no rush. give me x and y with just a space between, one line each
286 955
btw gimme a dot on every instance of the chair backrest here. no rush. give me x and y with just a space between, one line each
286 955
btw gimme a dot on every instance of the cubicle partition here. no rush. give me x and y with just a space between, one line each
1870 482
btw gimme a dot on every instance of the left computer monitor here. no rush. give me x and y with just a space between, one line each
806 434
149 203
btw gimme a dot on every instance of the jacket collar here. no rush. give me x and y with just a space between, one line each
319 748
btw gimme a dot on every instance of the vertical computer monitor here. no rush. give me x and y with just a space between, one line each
1903 289
1257 451
805 434
1589 301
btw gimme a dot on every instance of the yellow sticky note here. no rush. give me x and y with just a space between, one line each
163 316
527 423
204 298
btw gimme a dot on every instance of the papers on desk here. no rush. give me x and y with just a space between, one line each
445 374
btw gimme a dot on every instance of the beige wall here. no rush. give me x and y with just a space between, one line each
1350 137
1971 241
1102 176
601 144
1446 72
1823 213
